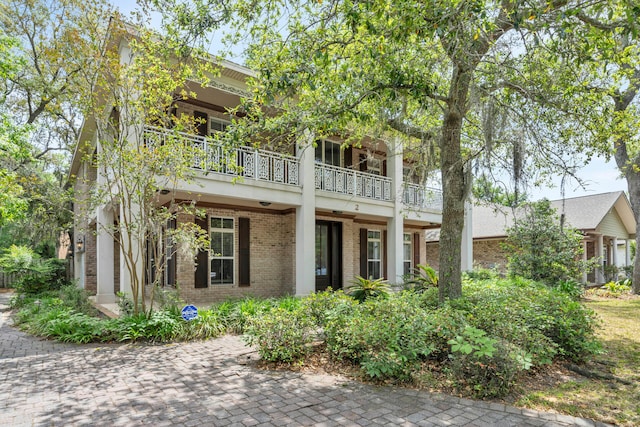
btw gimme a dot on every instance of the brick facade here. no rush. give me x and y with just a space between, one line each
486 254
272 258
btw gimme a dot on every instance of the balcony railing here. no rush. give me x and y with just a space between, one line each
419 197
351 182
260 165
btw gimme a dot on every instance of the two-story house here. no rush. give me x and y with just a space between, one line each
290 221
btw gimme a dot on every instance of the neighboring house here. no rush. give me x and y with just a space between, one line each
606 221
298 221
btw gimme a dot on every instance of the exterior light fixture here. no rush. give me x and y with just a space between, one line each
80 244
265 203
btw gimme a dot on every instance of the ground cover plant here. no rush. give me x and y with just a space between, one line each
479 345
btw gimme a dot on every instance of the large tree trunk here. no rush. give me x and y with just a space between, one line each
633 183
454 188
628 167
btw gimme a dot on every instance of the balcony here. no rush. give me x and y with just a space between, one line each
352 182
422 198
268 166
246 162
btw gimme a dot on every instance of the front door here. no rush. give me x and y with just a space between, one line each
328 255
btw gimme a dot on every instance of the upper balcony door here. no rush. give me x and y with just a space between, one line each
329 153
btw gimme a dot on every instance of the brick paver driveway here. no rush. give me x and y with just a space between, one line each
205 383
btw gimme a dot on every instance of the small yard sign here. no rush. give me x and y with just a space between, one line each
189 312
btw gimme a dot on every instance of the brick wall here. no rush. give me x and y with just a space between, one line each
272 258
486 254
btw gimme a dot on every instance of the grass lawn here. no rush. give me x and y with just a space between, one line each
614 400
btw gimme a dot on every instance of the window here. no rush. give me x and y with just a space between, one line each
374 165
374 254
328 152
222 250
217 125
407 253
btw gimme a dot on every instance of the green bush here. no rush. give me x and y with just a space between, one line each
364 289
34 274
489 374
281 335
387 338
422 278
320 305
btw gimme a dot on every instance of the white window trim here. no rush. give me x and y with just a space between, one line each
380 260
213 119
409 243
212 256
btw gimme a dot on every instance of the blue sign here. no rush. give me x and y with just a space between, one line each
189 312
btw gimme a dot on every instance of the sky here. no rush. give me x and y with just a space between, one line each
599 176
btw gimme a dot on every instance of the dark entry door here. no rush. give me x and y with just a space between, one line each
328 255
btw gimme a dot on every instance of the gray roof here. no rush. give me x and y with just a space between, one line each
584 213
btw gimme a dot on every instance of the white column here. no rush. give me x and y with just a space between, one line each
584 259
104 256
395 224
600 255
614 251
627 252
306 222
466 261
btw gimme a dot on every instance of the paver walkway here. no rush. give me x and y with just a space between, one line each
44 383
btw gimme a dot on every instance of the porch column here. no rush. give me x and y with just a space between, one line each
627 252
466 262
600 254
105 292
614 251
395 224
305 221
584 259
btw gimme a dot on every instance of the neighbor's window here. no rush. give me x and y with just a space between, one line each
374 254
407 253
222 250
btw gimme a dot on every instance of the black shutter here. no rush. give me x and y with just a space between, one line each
244 259
384 168
202 123
363 253
416 249
385 247
348 157
363 162
202 260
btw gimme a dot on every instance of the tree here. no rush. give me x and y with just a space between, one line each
406 68
134 166
542 249
485 190
55 43
591 68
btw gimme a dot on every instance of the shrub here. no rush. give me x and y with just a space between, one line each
320 305
281 335
387 338
422 278
35 275
542 249
490 368
363 289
